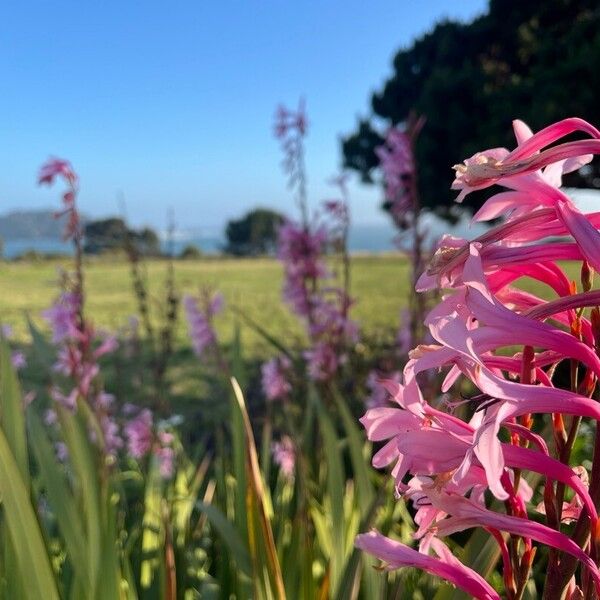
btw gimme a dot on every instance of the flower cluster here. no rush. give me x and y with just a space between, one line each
324 309
275 378
302 248
79 350
290 128
143 439
200 314
78 344
59 168
17 357
397 166
284 456
445 463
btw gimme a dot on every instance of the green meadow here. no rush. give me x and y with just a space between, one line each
250 286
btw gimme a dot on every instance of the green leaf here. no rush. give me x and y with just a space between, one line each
60 498
152 526
12 413
85 466
260 535
356 441
335 489
31 553
230 536
109 582
237 438
43 350
262 332
360 562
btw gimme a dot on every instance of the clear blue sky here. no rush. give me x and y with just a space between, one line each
171 103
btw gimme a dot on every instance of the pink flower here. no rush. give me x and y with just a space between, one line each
68 401
62 452
104 401
61 168
275 378
112 438
323 361
166 461
289 121
446 566
139 434
56 167
452 462
463 513
534 188
108 345
18 360
290 128
396 162
488 167
379 394
200 318
62 317
29 397
284 456
50 417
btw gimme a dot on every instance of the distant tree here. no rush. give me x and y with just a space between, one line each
190 252
254 234
104 234
536 60
147 241
111 234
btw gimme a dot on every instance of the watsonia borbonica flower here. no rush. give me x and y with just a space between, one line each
447 455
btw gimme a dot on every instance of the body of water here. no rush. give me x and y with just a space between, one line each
362 238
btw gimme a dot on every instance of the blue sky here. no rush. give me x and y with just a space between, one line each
171 103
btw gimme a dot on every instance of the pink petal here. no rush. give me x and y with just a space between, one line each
398 555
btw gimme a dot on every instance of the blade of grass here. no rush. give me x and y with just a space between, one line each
262 332
335 489
356 442
256 497
237 438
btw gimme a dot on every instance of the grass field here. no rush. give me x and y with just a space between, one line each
379 283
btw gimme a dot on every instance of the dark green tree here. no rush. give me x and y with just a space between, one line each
190 252
536 60
111 234
254 234
147 241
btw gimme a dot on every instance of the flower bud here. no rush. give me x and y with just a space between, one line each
587 276
595 319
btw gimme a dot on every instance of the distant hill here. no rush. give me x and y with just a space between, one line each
30 224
